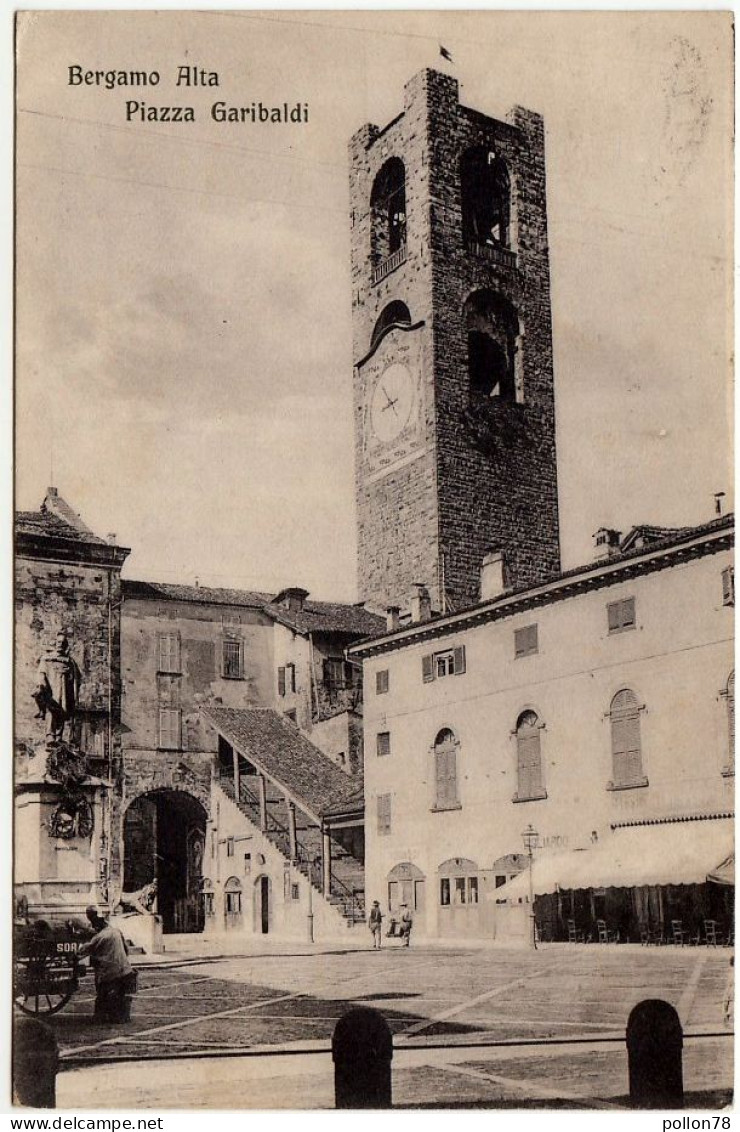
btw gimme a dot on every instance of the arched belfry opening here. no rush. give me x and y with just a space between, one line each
395 314
493 332
485 189
388 208
163 840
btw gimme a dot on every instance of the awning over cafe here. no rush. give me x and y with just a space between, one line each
681 852
725 873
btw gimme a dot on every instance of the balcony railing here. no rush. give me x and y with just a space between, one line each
394 260
494 253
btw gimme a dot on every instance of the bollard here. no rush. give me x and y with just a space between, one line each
35 1062
362 1050
654 1052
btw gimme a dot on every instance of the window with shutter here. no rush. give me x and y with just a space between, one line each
445 771
731 724
281 681
728 585
290 678
530 785
383 743
621 615
626 743
169 652
381 681
525 641
384 814
451 662
169 729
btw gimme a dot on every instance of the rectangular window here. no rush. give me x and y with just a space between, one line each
170 729
233 903
621 615
169 652
459 892
444 891
525 641
231 660
383 743
435 666
336 674
229 846
472 890
381 681
384 814
281 681
290 678
728 585
393 897
295 892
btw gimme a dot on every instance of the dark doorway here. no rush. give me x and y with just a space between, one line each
265 904
164 837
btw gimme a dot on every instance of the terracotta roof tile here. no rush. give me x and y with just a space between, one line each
285 755
203 594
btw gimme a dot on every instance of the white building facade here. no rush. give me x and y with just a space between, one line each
596 704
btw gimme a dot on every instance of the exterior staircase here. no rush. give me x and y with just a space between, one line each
347 890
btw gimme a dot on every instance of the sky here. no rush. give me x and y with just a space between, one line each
183 336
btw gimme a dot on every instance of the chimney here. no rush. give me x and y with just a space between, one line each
392 618
421 603
112 537
292 598
492 575
606 543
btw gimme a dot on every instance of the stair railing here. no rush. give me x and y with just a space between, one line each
352 899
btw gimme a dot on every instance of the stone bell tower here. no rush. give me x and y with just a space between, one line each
453 368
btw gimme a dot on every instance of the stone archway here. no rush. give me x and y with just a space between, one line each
163 840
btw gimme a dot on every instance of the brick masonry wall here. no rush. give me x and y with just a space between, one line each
490 479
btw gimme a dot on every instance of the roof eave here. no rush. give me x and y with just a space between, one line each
587 578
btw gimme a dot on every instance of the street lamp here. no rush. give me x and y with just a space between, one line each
311 863
530 837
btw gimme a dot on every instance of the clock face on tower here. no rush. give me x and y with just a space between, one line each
392 402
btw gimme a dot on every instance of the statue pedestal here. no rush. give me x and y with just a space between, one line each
61 854
143 931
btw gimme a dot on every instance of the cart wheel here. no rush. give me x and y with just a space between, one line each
41 1002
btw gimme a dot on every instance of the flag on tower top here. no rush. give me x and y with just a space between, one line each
445 53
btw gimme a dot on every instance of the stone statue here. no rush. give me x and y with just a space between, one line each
57 690
141 903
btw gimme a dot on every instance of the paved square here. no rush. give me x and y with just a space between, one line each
429 997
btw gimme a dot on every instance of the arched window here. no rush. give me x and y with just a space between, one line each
624 715
388 209
493 345
486 198
458 883
395 314
730 698
406 886
529 777
208 894
445 771
233 896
